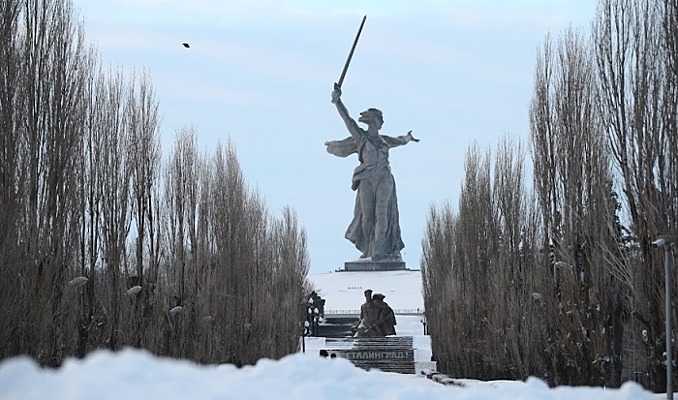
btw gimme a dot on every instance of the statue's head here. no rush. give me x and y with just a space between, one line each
372 116
368 293
378 296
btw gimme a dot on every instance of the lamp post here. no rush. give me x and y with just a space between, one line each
312 314
316 320
666 241
303 337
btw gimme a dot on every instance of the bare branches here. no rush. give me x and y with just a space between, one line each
82 199
634 70
603 142
480 272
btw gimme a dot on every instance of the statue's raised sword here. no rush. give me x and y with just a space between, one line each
350 55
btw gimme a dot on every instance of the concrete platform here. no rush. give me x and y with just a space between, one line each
369 265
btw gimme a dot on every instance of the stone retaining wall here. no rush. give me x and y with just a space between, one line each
441 378
389 354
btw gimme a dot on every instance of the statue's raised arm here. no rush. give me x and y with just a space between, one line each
343 111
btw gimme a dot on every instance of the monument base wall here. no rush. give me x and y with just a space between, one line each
369 265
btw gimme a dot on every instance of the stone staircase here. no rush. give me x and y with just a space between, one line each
389 354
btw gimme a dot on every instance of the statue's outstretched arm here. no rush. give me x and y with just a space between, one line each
409 137
400 140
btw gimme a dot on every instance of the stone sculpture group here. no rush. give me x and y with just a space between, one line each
376 317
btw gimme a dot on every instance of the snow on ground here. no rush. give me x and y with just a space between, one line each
343 291
135 374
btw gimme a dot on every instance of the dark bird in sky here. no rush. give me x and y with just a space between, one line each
186 45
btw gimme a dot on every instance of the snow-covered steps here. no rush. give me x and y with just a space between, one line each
389 354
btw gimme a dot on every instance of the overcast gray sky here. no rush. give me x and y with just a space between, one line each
260 72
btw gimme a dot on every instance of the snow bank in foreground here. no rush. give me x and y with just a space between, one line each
134 374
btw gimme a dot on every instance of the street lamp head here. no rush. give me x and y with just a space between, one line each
659 242
664 239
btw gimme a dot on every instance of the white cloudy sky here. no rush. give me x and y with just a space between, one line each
260 72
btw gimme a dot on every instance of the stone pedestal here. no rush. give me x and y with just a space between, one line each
369 265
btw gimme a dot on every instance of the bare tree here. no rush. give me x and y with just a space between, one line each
42 124
474 233
574 185
14 293
290 264
633 55
438 282
116 175
95 251
243 270
480 272
515 283
141 110
91 219
181 194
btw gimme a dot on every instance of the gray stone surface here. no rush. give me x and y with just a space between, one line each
389 354
375 228
368 265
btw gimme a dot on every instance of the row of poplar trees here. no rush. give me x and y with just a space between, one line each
100 237
559 279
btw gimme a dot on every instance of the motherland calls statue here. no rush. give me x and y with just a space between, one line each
375 228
